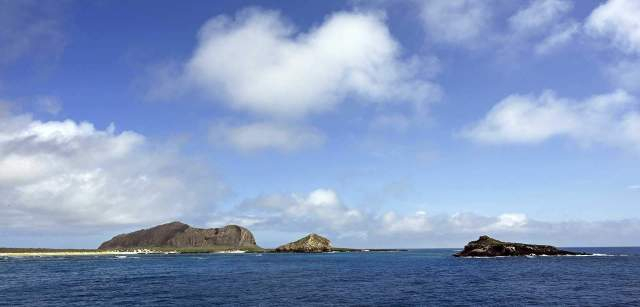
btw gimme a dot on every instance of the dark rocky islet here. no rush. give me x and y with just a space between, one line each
486 246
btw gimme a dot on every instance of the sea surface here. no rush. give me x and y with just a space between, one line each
417 277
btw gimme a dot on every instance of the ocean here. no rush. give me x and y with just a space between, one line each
425 277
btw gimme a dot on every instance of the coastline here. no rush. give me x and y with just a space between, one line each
36 252
53 252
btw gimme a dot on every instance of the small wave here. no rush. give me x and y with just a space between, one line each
231 252
121 257
588 255
593 255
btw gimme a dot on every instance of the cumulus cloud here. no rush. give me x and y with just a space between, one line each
610 119
58 175
266 136
459 22
617 21
257 61
323 211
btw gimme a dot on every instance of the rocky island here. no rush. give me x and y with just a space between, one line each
178 235
312 243
486 246
179 238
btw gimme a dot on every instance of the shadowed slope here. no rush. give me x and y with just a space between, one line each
181 235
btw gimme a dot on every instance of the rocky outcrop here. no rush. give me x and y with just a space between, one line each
312 243
179 235
486 246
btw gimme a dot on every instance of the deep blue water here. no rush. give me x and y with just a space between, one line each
420 277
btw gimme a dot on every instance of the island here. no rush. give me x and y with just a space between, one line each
486 246
184 238
180 238
312 243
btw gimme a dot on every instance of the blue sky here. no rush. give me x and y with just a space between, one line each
376 123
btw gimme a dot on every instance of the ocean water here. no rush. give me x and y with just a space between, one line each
417 277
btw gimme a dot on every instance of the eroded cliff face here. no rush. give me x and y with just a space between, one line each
180 235
486 246
312 243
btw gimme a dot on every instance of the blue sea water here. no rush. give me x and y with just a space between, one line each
417 277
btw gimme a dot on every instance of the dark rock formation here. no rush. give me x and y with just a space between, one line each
489 247
179 235
312 243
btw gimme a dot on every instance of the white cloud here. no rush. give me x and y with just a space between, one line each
460 22
539 25
57 175
416 223
509 221
258 62
542 24
539 15
321 207
610 119
323 212
265 135
634 187
559 37
617 21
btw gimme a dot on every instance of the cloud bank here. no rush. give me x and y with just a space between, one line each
323 211
60 175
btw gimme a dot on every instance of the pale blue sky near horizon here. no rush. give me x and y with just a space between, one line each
528 126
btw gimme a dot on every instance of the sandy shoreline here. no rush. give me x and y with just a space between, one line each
80 253
48 254
103 253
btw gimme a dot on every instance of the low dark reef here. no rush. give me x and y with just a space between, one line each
486 246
